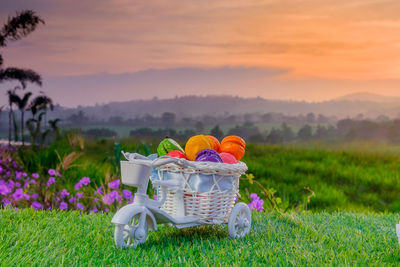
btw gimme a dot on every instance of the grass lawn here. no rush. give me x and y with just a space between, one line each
54 238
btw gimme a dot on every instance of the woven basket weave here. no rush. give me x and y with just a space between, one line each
212 206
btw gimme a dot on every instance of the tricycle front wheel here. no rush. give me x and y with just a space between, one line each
239 222
133 233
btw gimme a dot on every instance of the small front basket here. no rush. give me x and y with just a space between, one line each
135 172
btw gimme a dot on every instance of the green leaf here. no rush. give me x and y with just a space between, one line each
250 177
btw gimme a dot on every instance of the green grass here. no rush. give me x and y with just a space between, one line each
357 177
341 179
70 238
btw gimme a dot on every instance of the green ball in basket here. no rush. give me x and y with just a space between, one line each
167 145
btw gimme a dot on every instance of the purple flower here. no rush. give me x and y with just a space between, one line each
94 210
85 181
58 174
79 195
72 200
5 202
256 203
99 191
106 209
155 197
1 169
63 206
82 182
95 200
112 197
127 194
79 206
114 184
34 196
25 196
64 193
32 181
4 189
108 199
116 195
17 184
78 186
50 181
24 174
52 172
18 194
18 175
35 175
37 205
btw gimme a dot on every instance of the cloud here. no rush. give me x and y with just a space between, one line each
342 39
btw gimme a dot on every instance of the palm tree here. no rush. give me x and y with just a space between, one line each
55 128
11 99
41 102
17 27
22 104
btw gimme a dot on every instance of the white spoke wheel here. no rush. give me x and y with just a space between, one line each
239 222
133 233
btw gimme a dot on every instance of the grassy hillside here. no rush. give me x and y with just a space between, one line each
341 179
362 179
71 238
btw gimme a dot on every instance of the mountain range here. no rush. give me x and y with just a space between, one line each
368 104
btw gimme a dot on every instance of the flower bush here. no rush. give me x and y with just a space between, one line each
19 189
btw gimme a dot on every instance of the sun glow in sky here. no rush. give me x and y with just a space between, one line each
309 49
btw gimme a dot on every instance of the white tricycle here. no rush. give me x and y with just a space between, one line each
188 194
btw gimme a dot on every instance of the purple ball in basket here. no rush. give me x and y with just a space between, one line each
208 155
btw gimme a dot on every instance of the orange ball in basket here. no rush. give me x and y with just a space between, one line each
214 141
195 144
235 145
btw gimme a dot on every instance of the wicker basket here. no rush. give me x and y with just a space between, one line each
208 190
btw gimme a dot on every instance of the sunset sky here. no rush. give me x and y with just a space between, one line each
95 51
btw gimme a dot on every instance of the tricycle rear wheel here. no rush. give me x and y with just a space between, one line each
239 222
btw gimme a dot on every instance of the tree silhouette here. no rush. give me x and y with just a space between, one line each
22 104
41 102
217 132
17 27
11 99
305 132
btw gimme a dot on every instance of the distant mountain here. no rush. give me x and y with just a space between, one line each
369 105
368 97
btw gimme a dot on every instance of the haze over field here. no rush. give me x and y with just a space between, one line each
96 51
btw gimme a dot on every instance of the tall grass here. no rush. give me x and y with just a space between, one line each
342 179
